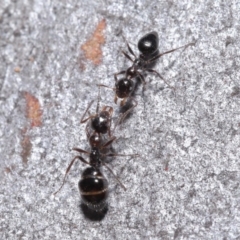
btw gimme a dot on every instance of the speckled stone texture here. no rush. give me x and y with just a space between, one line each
185 182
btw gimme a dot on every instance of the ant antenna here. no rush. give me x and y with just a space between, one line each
129 49
87 111
68 169
97 110
110 170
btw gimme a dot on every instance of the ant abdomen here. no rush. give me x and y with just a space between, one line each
93 187
148 44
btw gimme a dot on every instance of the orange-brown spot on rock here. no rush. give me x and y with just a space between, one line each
9 169
34 112
17 69
92 48
26 148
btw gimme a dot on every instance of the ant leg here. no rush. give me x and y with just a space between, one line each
102 85
122 102
97 109
110 170
114 89
87 130
129 48
116 74
127 56
109 142
110 111
142 78
121 118
68 169
161 54
81 150
84 120
110 122
121 155
153 71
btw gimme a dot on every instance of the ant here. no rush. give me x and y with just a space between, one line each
93 185
148 48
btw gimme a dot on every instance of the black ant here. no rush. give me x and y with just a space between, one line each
93 186
148 47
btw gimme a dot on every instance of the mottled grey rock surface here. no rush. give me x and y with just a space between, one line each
184 184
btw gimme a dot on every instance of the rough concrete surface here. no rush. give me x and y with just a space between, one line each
185 182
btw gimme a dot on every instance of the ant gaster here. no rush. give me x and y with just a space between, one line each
148 47
93 186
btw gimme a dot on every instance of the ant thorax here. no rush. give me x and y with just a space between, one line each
95 158
139 63
96 140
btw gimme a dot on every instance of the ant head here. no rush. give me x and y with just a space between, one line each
100 123
95 140
148 44
124 87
